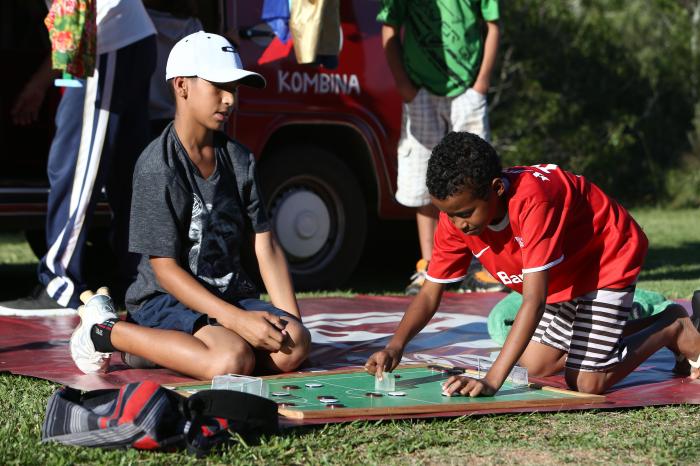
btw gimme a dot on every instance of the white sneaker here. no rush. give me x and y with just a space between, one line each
98 308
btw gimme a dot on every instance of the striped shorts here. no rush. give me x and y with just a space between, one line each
588 328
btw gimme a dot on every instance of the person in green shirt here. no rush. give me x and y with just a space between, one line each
442 69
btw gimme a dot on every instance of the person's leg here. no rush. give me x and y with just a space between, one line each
61 169
683 366
61 270
637 325
426 220
542 360
294 352
469 112
164 331
62 159
212 350
296 346
672 328
79 182
546 352
421 130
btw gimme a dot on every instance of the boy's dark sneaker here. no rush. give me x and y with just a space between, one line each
418 278
480 282
38 303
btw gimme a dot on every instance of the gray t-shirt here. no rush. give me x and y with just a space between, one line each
202 223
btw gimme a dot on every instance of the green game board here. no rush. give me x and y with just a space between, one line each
420 383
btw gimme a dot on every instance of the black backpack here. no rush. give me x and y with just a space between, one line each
146 416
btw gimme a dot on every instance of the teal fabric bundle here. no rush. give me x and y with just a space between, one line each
646 303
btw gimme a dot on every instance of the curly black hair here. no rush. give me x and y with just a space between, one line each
462 161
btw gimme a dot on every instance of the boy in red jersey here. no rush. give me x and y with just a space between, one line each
570 250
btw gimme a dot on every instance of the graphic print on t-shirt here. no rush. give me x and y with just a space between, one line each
215 233
195 235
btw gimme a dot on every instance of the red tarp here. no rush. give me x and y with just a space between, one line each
345 332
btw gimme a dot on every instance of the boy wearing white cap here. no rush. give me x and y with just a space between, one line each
196 205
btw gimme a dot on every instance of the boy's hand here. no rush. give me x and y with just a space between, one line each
468 386
384 360
25 110
262 329
481 87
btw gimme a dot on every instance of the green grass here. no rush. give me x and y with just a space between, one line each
659 435
673 263
14 250
667 435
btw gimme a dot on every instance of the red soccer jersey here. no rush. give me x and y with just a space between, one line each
555 221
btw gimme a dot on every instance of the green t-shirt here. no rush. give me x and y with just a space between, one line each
443 40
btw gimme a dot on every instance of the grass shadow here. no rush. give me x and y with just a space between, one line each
680 262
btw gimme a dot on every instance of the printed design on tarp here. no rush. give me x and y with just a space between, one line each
342 339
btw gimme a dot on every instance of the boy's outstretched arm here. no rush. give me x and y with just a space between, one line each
417 316
275 273
263 330
526 321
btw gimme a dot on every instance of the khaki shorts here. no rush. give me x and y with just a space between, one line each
426 120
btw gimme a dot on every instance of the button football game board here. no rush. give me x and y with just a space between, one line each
340 393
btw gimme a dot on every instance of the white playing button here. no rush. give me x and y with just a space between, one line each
279 393
313 385
396 393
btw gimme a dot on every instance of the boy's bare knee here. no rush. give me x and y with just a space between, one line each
305 340
287 363
239 361
591 387
298 352
593 383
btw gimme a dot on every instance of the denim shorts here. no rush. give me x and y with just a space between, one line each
167 313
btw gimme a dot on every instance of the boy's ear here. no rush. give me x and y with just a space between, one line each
180 87
498 186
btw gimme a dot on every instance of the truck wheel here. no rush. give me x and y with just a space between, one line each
318 214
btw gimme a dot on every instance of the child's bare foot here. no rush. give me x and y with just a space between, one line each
690 340
688 361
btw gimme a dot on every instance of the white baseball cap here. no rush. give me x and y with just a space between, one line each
211 57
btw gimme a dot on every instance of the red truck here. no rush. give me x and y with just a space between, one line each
325 139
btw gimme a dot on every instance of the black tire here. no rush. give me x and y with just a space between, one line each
312 178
